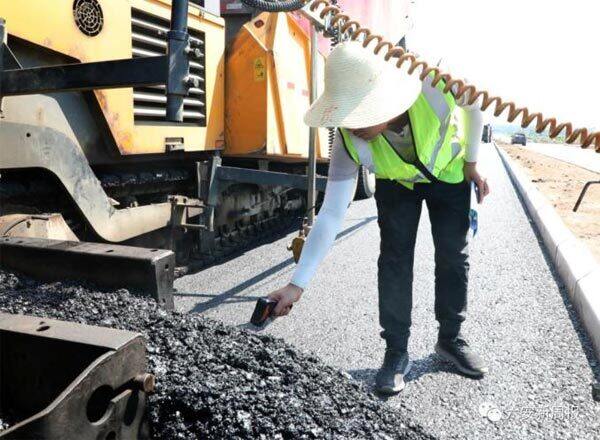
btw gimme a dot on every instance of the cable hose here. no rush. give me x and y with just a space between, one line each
333 16
275 6
335 40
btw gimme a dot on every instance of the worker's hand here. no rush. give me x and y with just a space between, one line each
369 133
285 298
472 175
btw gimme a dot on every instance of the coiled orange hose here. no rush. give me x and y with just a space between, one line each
334 16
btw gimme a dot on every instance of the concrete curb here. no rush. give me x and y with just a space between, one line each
575 263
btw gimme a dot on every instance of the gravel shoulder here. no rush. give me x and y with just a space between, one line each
519 319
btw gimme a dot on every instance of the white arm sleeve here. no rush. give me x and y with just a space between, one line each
341 185
338 195
474 126
474 132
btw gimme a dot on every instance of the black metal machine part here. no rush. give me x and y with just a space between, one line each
268 178
147 271
213 178
147 71
2 60
62 380
178 42
171 69
275 5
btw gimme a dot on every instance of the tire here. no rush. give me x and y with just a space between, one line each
365 188
275 5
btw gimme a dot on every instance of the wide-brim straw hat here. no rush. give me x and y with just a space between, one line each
362 89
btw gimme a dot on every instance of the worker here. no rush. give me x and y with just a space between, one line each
422 145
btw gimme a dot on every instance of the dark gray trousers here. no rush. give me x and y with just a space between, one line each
399 210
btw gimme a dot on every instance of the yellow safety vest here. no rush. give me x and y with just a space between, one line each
439 140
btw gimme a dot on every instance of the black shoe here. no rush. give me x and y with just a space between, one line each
457 352
390 377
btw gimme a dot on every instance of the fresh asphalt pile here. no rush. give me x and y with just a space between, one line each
215 381
519 320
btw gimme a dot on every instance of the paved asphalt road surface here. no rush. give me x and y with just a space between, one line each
541 363
585 158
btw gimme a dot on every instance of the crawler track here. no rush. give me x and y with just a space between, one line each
227 246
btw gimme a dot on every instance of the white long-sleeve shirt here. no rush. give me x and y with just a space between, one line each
341 185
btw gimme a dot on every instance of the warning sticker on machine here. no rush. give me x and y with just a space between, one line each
260 69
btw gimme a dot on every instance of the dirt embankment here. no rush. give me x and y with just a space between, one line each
561 183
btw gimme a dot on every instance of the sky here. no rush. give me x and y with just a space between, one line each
544 54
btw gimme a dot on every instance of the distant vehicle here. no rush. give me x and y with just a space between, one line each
518 138
487 134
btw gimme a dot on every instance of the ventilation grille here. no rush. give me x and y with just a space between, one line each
149 38
88 16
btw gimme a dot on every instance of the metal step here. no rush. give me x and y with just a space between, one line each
148 272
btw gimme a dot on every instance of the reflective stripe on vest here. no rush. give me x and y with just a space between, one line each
438 130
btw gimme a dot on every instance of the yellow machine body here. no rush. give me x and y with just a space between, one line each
115 169
50 24
267 90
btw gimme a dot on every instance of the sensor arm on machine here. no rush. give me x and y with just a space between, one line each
332 17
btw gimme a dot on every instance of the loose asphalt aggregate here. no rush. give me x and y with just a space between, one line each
519 319
216 381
